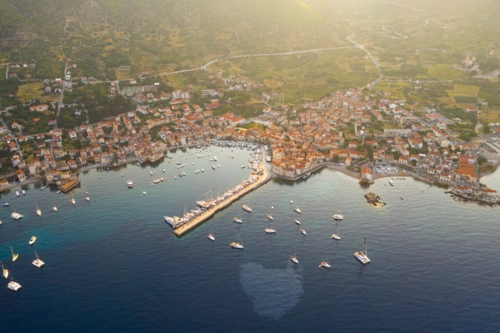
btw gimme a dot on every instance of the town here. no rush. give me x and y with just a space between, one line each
357 130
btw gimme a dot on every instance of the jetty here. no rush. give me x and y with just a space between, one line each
70 185
263 176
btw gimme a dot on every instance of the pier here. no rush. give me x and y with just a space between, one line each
264 177
69 185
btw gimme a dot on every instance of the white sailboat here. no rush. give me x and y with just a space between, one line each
15 256
270 230
32 240
269 216
297 210
54 207
324 264
5 271
294 259
237 220
336 235
73 200
297 221
17 193
37 262
87 198
38 211
303 231
337 216
362 256
13 285
237 245
211 237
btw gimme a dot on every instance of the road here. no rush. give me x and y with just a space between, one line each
375 61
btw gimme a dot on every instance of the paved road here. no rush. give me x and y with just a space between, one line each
375 61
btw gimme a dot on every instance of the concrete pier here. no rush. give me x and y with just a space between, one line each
264 178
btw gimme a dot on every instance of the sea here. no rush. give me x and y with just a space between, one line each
114 265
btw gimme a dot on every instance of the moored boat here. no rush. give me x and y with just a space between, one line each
246 208
362 256
303 231
16 216
211 237
297 222
324 264
237 220
32 240
130 184
294 259
5 204
297 209
15 256
5 271
13 286
17 193
37 262
236 245
269 216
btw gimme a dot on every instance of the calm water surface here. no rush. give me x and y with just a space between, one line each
114 265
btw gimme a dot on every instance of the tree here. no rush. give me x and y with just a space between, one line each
336 158
486 129
481 160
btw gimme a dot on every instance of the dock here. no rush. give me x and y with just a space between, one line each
70 185
264 177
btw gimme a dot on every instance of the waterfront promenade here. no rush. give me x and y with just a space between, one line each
263 178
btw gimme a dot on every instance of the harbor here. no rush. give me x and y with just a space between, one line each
261 177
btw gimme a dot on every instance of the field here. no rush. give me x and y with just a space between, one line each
464 90
446 72
31 91
397 89
2 73
490 114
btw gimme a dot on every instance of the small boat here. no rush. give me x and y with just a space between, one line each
270 231
163 170
38 211
1 222
13 286
42 187
5 271
291 202
297 222
324 264
144 192
269 216
303 231
272 207
297 210
17 193
401 198
362 256
243 166
213 167
337 216
58 192
32 240
5 204
246 208
37 262
391 182
16 216
202 170
54 207
122 175
237 220
236 245
24 192
73 200
130 184
294 259
336 235
211 237
14 255
87 198
139 164
218 165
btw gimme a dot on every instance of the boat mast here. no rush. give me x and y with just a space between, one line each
364 247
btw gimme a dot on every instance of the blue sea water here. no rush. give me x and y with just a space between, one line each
114 265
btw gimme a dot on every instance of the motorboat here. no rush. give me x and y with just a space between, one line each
324 264
163 170
391 182
5 204
24 192
243 166
297 210
362 256
18 194
130 184
38 210
291 202
13 286
211 237
42 187
269 216
297 222
58 192
144 192
37 262
87 198
73 200
246 208
270 230
16 216
337 216
54 207
294 259
237 220
32 240
303 231
213 167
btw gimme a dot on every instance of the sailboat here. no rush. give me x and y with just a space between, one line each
237 245
13 285
336 235
37 262
270 230
38 211
5 271
269 216
337 216
362 256
73 200
54 207
291 202
324 264
14 255
237 220
303 231
87 198
32 240
297 221
211 237
15 215
297 210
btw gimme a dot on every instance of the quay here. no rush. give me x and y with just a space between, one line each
69 185
264 177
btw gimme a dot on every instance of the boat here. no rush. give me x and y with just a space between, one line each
32 240
237 220
294 259
151 173
202 170
87 198
1 222
297 222
5 204
218 165
243 166
391 182
337 216
73 200
13 286
130 184
362 256
5 271
303 231
38 211
24 192
37 262
269 216
42 187
14 255
324 264
297 209
17 193
16 216
336 235
139 164
236 245
306 175
401 198
122 175
291 202
270 230
144 192
163 170
54 207
58 192
246 208
213 167
211 237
